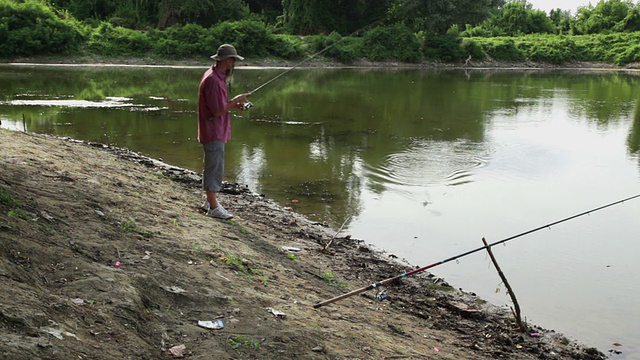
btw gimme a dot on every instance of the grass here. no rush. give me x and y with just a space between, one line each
7 199
234 261
243 230
329 279
131 226
244 341
237 263
19 213
4 226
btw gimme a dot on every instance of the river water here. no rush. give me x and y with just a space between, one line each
421 163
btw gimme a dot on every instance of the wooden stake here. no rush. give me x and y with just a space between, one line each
516 313
334 236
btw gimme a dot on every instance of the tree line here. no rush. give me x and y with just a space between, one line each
345 30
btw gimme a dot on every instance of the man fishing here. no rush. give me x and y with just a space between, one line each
214 124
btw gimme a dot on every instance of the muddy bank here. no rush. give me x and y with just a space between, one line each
105 254
314 62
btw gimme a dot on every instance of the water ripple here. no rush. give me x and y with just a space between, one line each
429 164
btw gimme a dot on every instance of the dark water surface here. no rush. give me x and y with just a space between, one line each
422 163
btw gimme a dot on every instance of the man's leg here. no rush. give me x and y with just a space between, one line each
211 198
213 171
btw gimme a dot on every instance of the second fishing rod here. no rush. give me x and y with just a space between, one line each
418 270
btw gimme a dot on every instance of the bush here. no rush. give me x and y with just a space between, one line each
250 37
394 42
443 47
32 28
474 50
503 49
347 50
334 46
184 41
628 55
318 43
179 42
286 46
486 30
118 41
554 49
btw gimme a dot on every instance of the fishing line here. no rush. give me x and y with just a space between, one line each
249 104
456 257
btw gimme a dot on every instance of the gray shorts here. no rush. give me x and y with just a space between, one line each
213 166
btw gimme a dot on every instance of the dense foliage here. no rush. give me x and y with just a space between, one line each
31 28
345 30
619 48
152 13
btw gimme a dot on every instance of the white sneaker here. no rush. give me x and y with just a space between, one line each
220 213
206 206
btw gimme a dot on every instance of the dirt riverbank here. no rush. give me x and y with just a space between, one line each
104 254
95 60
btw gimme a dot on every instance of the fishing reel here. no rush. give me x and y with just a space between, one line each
246 105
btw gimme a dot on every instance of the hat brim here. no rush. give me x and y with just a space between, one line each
218 58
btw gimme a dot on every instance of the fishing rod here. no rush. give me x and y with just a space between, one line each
249 104
401 276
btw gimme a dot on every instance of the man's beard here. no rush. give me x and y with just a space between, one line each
229 75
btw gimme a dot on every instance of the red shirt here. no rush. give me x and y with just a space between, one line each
212 97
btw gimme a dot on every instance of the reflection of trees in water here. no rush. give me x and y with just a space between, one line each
359 117
633 141
328 133
419 128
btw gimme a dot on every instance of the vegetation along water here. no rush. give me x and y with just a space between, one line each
384 30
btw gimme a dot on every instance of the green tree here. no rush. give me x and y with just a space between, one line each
202 12
561 19
307 17
313 17
631 22
87 9
605 17
135 14
437 16
269 10
519 18
376 11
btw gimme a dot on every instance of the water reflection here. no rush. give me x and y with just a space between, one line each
316 136
633 141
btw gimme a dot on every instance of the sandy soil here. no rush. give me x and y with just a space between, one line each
105 254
